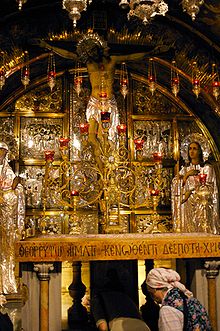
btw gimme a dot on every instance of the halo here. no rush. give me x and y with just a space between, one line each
87 40
200 139
4 146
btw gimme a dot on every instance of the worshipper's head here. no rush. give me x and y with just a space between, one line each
160 280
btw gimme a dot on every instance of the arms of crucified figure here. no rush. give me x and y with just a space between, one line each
59 51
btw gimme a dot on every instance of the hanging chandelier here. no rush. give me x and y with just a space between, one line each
145 9
75 7
192 7
21 3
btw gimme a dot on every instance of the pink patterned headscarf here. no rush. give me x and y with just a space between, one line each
161 277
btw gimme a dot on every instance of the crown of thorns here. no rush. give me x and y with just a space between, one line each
87 42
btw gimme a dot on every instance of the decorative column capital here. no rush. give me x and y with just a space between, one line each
43 270
212 268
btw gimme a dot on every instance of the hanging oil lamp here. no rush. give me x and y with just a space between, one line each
51 71
175 82
151 76
124 80
25 71
215 81
195 80
2 72
78 79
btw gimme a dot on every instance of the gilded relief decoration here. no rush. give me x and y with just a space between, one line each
58 223
145 223
146 179
7 126
157 137
41 99
32 181
38 135
145 103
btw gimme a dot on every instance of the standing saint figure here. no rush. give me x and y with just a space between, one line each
12 212
195 195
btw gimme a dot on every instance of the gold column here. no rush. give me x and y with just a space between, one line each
43 270
212 271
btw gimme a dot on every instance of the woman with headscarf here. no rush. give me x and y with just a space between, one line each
179 311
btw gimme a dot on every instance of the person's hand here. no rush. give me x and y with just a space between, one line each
191 172
186 196
15 183
39 42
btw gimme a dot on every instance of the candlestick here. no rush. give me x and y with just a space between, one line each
154 192
202 178
74 193
157 157
121 129
49 155
139 143
64 142
84 128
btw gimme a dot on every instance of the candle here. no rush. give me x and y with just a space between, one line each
103 95
52 74
175 81
64 142
215 83
74 193
105 116
124 82
84 128
151 78
26 72
139 144
196 82
154 193
78 80
121 129
157 157
49 155
202 178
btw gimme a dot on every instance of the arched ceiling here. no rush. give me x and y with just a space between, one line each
182 39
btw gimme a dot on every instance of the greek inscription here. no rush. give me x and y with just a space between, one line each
81 251
211 247
180 249
129 250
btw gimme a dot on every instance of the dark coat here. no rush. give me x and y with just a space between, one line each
5 323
